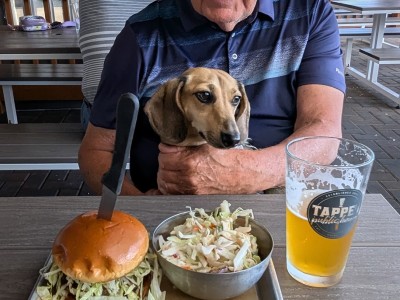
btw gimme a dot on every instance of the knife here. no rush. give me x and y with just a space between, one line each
127 112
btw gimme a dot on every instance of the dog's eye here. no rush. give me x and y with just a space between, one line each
204 97
236 100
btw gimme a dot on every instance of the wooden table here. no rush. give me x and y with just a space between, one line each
53 44
60 43
28 226
379 9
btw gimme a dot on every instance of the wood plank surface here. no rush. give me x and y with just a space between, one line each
362 32
41 72
361 279
345 12
40 143
357 21
368 276
57 138
60 40
382 54
152 210
47 153
28 226
369 6
26 128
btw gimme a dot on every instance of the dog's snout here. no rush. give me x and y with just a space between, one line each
229 139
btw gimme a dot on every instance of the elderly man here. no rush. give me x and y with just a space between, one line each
285 52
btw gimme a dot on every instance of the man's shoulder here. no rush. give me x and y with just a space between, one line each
296 7
161 9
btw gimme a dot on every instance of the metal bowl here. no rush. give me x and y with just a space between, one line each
214 286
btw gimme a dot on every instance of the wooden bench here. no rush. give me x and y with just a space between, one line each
40 146
362 22
344 12
356 33
382 55
366 32
35 74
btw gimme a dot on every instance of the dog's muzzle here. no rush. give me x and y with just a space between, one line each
230 140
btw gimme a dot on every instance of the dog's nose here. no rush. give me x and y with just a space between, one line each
230 140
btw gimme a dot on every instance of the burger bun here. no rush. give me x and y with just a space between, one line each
97 250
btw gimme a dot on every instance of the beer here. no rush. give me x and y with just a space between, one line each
313 253
326 179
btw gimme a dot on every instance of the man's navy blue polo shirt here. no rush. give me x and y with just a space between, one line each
284 44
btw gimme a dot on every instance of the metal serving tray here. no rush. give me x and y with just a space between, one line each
267 288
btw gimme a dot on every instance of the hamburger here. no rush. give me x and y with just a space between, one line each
101 259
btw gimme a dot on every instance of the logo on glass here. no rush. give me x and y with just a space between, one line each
333 214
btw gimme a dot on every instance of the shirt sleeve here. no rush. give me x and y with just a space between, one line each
322 61
121 74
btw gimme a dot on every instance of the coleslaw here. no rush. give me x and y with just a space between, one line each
212 243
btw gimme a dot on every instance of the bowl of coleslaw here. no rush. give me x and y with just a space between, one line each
213 254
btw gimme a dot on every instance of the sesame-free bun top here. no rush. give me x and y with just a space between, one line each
97 250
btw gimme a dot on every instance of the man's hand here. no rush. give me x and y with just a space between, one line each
204 170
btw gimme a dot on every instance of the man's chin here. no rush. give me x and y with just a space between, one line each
225 18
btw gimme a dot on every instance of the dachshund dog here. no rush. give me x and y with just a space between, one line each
202 106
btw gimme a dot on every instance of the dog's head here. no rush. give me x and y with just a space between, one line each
202 105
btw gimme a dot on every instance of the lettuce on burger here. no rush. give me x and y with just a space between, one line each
101 259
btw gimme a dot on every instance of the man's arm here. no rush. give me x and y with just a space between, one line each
95 156
207 170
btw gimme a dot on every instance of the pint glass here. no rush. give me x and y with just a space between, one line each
326 179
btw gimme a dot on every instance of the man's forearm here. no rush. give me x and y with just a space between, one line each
93 170
266 168
95 156
319 113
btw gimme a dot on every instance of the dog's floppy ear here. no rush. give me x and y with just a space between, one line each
164 115
242 114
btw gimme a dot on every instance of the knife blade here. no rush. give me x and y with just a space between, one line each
127 112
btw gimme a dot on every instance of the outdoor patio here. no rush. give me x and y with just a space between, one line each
368 118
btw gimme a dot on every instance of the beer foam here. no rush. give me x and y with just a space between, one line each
309 179
334 179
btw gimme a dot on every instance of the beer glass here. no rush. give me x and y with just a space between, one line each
326 179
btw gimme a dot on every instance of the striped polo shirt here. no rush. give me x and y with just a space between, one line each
284 44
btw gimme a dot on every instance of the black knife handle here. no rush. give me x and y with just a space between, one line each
127 112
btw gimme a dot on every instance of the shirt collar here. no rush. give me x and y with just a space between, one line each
191 19
266 7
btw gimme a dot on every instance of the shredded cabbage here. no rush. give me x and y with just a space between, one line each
210 243
128 287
